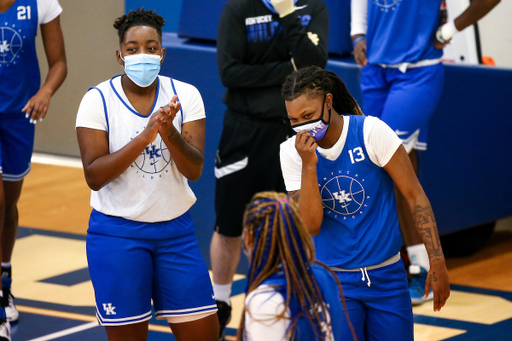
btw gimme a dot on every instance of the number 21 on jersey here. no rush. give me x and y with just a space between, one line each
356 155
24 13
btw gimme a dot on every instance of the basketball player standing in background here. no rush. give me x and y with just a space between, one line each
23 102
399 44
259 43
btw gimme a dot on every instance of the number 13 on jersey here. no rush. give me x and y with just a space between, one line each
358 153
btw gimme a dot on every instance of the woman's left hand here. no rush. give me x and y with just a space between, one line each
168 112
437 278
37 106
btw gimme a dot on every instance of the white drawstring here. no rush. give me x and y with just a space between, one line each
363 272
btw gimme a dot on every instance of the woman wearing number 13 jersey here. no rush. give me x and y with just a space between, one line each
341 170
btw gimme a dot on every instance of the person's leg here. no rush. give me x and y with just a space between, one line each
17 141
205 329
412 100
182 289
353 291
389 311
247 163
374 90
130 332
121 271
5 328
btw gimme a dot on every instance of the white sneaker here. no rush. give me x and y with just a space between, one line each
10 309
5 331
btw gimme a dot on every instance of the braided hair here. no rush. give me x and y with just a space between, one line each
282 244
140 17
314 81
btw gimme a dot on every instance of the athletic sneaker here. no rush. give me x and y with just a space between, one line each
10 309
224 314
5 330
417 285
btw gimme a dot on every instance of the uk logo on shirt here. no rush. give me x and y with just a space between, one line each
153 160
11 44
387 5
343 195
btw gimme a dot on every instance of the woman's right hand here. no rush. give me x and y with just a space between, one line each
151 131
360 53
306 147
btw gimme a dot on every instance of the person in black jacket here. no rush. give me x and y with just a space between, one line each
259 42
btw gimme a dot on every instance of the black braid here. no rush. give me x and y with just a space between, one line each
315 81
140 17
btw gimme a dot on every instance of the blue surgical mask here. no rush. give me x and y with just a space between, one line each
142 68
317 128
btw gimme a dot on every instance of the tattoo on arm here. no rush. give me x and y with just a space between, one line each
190 152
427 227
295 195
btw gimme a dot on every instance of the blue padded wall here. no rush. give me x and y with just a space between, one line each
169 9
465 171
199 20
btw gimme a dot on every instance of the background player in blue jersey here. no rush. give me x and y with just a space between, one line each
259 42
290 296
400 43
140 145
23 102
341 170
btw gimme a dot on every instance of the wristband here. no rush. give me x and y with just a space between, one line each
357 40
446 32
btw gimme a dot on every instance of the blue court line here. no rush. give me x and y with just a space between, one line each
28 231
70 278
492 292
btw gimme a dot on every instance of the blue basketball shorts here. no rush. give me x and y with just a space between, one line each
128 273
378 304
16 145
405 101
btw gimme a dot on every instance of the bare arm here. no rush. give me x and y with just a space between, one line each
100 166
476 10
187 148
53 42
401 171
308 197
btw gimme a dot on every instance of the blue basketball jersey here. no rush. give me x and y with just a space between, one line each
360 222
330 293
402 31
19 68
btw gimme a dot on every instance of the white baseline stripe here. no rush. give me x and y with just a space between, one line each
65 332
56 160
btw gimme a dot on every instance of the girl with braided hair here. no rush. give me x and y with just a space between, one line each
340 168
289 295
140 144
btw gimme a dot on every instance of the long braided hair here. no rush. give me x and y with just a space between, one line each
315 81
282 244
140 17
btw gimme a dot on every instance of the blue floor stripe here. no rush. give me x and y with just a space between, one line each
70 278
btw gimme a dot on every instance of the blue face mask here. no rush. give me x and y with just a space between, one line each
317 128
142 68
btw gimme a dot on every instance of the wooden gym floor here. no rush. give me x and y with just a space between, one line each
55 296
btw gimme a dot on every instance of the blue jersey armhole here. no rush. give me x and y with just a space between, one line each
104 106
181 107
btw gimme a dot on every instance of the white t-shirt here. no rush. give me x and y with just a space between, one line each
47 10
262 307
380 141
151 189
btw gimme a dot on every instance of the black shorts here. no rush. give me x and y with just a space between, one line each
247 163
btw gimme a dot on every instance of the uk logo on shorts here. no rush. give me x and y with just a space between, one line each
344 195
109 309
10 45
